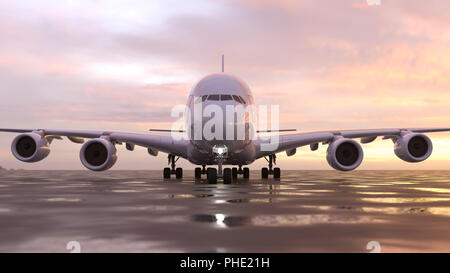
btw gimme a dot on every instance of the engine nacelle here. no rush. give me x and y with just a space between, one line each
98 154
30 147
413 147
344 154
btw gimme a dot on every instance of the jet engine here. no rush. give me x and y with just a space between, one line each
413 147
98 154
30 147
344 154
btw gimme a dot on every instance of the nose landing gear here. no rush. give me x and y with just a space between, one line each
220 152
178 172
276 172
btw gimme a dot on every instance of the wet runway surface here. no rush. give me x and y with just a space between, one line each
305 211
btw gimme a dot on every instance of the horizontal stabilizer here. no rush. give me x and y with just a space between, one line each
165 130
275 131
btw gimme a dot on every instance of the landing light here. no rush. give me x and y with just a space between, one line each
220 150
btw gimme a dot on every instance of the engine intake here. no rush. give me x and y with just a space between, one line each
98 154
30 147
413 147
344 154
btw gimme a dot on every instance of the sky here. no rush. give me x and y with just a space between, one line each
123 65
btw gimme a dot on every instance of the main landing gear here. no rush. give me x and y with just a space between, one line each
276 172
228 174
178 172
199 171
211 174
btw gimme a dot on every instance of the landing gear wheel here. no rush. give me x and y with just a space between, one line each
212 175
227 176
276 173
264 173
179 173
234 173
198 173
246 173
166 173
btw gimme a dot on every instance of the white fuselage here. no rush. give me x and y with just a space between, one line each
219 91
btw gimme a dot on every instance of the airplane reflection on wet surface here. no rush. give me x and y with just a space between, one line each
318 211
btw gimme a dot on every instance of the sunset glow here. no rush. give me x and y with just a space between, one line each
119 65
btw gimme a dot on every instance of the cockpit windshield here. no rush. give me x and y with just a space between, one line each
214 97
226 97
220 97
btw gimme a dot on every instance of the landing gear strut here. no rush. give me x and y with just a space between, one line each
178 172
220 152
276 172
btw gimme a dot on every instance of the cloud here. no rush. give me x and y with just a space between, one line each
328 64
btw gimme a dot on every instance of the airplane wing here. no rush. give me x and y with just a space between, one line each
163 143
269 145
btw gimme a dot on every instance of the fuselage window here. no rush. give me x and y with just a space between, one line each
214 97
226 97
204 97
242 100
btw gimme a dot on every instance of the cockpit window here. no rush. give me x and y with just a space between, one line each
226 97
214 97
201 99
242 100
220 97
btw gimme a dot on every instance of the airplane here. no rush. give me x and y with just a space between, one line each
344 153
